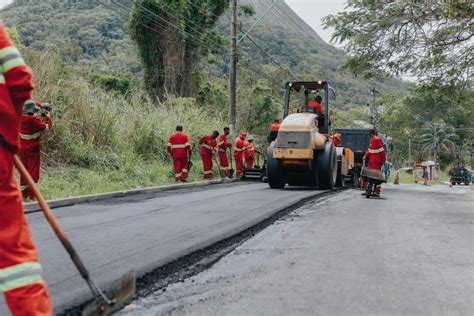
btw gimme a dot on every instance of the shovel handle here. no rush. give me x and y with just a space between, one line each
50 218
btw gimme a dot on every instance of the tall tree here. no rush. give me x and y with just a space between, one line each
437 139
432 40
170 36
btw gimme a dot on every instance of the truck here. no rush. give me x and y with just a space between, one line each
356 139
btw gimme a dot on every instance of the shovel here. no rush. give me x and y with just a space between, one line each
231 170
103 304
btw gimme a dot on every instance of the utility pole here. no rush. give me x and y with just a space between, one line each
374 107
409 152
233 68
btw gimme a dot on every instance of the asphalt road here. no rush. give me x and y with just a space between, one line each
146 231
409 253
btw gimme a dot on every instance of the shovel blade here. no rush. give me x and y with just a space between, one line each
123 291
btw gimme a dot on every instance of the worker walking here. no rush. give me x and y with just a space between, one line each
34 121
275 127
223 145
375 156
250 152
21 282
239 148
180 149
208 152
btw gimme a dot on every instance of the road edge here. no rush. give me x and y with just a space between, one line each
33 207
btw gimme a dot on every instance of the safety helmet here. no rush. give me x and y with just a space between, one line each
250 138
337 136
30 107
47 106
243 135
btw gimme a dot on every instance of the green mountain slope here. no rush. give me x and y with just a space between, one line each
95 37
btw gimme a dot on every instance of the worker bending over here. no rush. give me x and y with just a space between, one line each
21 282
375 156
223 145
239 148
208 152
250 152
180 150
34 121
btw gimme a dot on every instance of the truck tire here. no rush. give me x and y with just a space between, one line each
275 172
326 165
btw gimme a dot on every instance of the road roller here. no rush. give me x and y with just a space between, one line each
303 154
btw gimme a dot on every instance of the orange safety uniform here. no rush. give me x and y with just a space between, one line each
180 149
239 148
21 282
31 127
376 156
316 106
273 132
249 154
223 160
208 149
336 139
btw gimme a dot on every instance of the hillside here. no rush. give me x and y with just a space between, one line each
94 36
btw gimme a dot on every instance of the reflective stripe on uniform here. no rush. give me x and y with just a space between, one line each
30 137
19 275
221 143
2 79
238 149
177 175
224 168
185 170
178 146
376 151
10 58
208 172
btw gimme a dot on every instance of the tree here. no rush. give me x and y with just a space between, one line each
171 35
437 139
432 40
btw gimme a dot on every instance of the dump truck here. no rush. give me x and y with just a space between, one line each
303 154
356 139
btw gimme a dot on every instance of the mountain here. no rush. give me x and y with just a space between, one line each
94 36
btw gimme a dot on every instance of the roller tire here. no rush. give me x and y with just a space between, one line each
340 179
275 172
327 167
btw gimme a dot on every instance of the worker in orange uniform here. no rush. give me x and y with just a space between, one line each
33 121
375 156
21 282
315 106
336 139
274 130
239 148
250 152
208 152
180 149
223 145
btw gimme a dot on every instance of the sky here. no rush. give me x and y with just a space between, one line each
312 11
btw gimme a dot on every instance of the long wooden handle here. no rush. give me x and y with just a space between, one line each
50 217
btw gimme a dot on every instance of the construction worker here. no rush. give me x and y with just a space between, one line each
208 152
33 121
336 139
239 148
250 152
180 150
24 289
274 130
223 145
315 106
375 156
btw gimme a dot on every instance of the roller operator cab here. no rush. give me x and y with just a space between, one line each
302 154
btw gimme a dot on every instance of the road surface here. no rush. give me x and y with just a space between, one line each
409 253
143 232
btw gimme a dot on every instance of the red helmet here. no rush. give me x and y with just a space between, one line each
337 136
243 135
